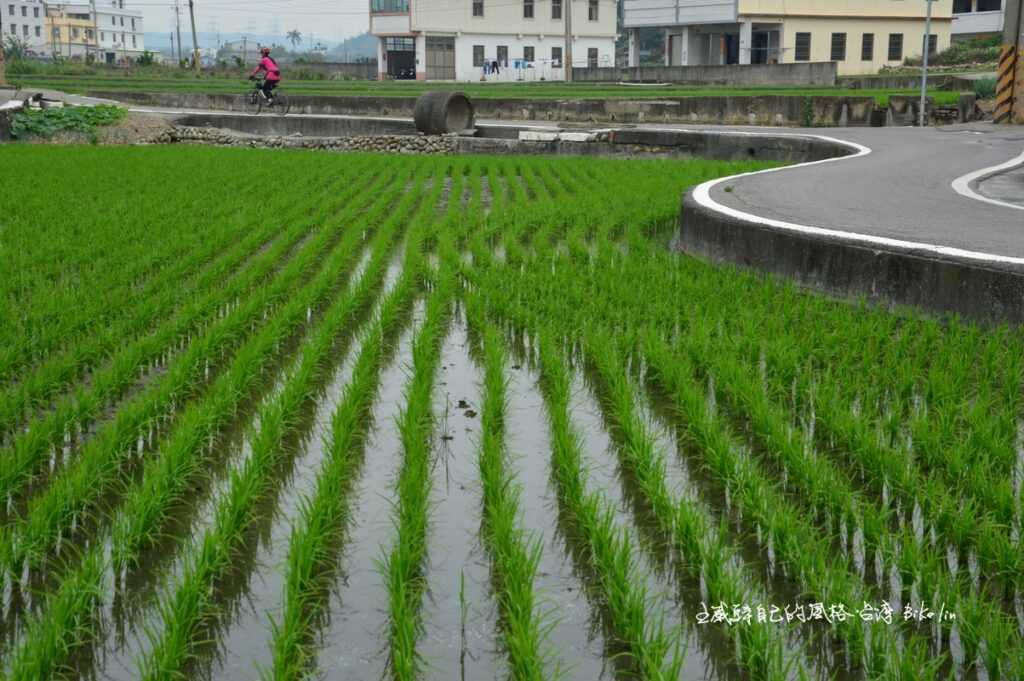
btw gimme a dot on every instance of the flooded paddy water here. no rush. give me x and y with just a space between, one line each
247 563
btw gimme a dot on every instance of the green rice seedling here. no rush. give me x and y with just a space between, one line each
29 451
322 515
515 554
192 602
761 650
81 486
169 476
65 625
651 650
403 564
159 300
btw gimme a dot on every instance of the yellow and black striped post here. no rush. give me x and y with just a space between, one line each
1010 73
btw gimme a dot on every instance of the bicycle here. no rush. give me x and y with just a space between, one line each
254 101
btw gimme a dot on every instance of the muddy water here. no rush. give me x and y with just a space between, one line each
460 635
577 645
354 642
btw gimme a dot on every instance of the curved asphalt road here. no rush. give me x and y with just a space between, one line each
901 190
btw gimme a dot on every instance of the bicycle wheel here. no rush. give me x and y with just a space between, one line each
282 105
252 103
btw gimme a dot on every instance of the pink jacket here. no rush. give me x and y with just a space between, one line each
267 64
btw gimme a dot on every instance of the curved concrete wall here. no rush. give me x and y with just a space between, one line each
849 269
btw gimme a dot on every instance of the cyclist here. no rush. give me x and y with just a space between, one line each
272 77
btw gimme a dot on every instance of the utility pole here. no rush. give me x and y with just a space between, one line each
567 61
195 40
177 18
922 116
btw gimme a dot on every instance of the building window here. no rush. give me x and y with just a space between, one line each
528 53
478 55
35 12
88 34
592 58
838 47
24 30
400 44
74 34
133 24
56 34
396 6
10 10
990 5
503 55
556 57
113 21
867 47
556 9
527 9
933 44
122 21
14 29
895 47
803 47
39 32
103 36
478 8
592 10
961 6
24 11
134 44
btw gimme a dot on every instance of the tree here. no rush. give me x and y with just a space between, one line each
294 37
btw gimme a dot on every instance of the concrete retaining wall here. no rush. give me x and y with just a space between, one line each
847 269
937 81
822 74
759 110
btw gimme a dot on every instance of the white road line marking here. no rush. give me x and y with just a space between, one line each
702 195
962 185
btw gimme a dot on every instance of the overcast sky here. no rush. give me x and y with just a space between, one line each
327 19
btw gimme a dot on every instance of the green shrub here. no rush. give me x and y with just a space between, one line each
985 88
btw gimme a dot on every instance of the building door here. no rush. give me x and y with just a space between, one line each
592 58
503 56
401 57
440 58
759 48
674 49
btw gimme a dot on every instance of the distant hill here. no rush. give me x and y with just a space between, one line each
361 46
162 41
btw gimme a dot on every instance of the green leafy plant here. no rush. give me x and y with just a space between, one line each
48 122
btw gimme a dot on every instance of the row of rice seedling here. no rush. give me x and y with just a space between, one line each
172 473
317 530
515 554
403 564
31 449
114 265
192 602
161 296
82 485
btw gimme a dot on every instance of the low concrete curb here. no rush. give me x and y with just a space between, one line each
991 292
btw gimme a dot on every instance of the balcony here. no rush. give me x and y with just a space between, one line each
389 17
972 23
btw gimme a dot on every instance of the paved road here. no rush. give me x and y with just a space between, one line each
901 190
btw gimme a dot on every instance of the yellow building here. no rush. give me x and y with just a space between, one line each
861 36
71 31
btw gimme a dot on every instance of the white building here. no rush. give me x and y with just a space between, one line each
454 39
861 36
977 19
119 32
26 20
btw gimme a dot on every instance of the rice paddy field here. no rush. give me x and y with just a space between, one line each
288 415
213 84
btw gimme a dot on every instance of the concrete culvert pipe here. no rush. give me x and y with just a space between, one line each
440 113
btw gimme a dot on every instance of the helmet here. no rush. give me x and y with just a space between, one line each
265 51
